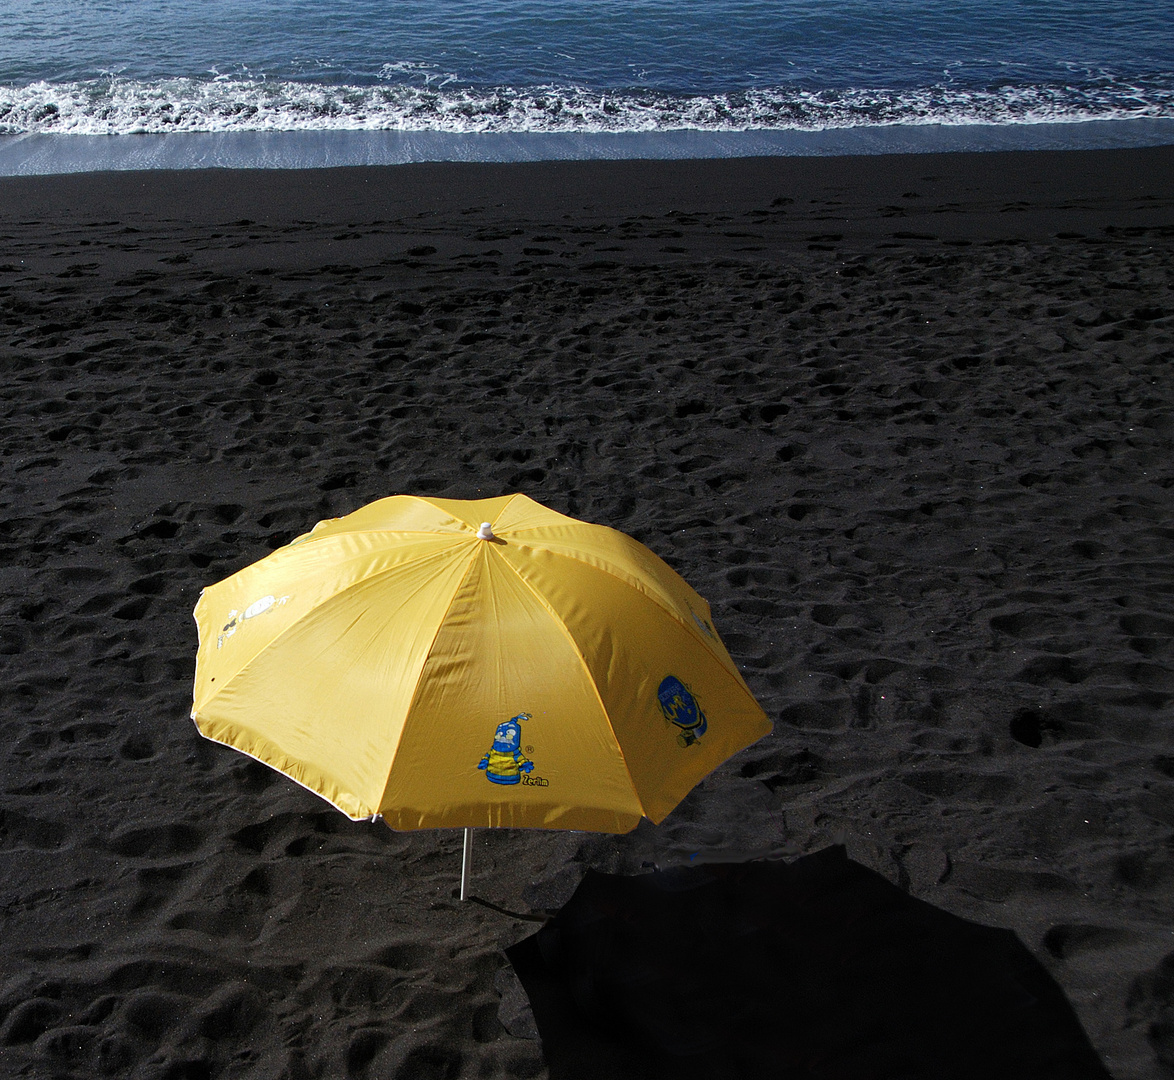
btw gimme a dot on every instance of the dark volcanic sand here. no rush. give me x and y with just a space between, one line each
907 423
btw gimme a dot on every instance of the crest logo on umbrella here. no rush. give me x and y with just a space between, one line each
680 708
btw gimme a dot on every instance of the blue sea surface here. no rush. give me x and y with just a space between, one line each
494 79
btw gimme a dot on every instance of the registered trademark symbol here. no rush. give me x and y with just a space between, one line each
529 749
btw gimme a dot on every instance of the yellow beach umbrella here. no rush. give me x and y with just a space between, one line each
448 663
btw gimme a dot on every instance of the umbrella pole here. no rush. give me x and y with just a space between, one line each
466 864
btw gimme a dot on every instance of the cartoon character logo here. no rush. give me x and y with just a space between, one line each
504 762
680 708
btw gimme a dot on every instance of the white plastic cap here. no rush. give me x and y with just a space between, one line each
486 531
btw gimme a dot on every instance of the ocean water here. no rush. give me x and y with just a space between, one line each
182 83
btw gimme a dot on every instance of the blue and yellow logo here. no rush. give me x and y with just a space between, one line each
680 709
504 762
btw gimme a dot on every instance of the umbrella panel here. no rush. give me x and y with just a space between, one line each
642 644
500 654
324 686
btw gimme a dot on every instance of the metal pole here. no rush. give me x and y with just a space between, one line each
466 863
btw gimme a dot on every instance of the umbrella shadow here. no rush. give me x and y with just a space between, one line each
816 968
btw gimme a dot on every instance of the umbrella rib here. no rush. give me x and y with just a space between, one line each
440 534
606 567
586 667
427 654
325 600
197 708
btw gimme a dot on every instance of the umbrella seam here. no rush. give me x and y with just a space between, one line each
333 596
273 641
419 682
439 533
465 527
530 528
586 667
606 567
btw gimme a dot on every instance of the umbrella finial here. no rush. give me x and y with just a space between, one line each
486 531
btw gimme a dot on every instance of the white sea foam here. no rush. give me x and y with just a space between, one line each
115 106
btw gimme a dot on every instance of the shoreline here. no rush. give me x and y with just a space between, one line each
48 154
904 421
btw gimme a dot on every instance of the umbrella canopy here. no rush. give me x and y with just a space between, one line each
448 663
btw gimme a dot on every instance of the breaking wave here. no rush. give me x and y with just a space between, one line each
115 106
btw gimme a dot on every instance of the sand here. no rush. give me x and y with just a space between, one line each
906 422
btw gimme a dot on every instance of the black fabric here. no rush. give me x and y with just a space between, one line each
816 968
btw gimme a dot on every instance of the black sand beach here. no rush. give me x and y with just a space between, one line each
906 422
